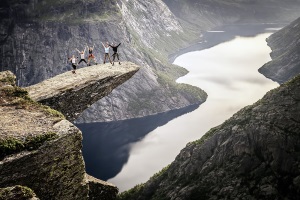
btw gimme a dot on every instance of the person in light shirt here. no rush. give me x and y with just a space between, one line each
73 61
82 58
106 52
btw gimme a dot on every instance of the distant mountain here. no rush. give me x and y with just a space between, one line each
203 13
285 45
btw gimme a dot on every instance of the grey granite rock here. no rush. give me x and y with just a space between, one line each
285 45
71 93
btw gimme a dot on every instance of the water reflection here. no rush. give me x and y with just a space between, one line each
227 33
228 73
106 145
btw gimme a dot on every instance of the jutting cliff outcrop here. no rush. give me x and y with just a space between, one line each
71 94
285 45
40 151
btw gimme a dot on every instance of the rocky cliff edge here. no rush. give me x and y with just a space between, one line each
71 93
41 150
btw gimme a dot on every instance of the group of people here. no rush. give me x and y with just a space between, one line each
91 56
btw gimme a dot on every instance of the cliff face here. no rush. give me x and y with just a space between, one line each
41 150
253 155
42 38
285 45
37 37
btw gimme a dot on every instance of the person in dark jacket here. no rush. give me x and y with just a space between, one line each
115 50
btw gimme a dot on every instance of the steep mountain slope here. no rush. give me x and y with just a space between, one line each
40 35
285 45
37 37
253 155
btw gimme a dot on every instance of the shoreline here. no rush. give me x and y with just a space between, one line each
202 43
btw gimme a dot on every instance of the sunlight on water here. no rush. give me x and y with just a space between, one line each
228 73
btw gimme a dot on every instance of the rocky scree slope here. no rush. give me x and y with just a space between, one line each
41 150
253 155
71 93
40 35
285 45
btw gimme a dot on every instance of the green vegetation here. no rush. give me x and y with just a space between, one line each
16 192
132 193
19 98
160 173
53 113
10 146
207 135
175 88
9 80
11 91
144 100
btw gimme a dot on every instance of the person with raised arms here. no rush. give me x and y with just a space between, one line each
91 55
106 52
82 58
115 54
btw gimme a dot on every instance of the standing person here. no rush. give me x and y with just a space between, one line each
73 61
82 56
91 55
115 49
106 52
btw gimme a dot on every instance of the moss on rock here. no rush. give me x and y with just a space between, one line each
132 193
17 193
11 145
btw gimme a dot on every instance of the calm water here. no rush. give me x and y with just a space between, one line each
129 152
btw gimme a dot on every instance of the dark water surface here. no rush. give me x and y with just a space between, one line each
225 65
106 145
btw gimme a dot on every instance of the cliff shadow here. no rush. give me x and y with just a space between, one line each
107 145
